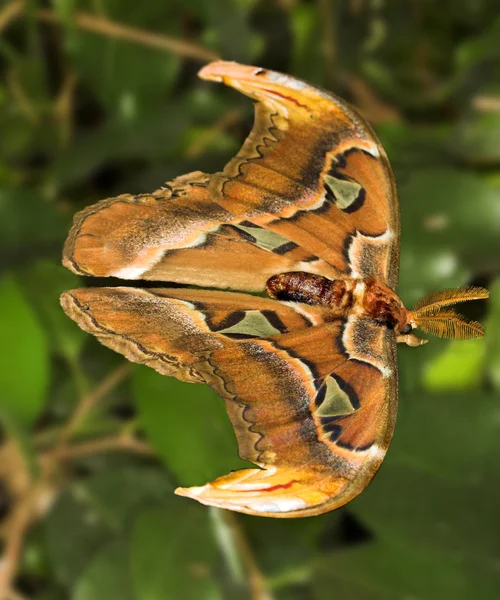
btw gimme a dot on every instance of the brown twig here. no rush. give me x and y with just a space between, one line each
486 103
9 13
125 443
39 495
287 5
63 108
89 401
114 30
258 585
35 502
369 104
356 7
327 16
132 34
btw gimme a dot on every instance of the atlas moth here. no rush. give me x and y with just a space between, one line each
306 212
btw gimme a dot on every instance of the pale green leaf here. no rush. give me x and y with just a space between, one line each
24 356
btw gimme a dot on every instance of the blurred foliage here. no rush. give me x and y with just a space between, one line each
100 97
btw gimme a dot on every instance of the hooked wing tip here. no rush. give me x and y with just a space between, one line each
271 492
218 70
267 86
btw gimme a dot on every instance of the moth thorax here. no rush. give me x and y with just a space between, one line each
308 288
382 304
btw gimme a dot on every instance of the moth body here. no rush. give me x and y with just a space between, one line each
312 289
367 298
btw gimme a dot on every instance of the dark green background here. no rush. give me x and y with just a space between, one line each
85 116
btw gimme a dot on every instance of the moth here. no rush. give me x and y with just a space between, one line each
285 267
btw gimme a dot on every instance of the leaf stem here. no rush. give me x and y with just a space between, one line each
89 401
240 546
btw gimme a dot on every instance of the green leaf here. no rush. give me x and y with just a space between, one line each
174 554
228 28
437 489
129 78
107 576
43 283
188 426
477 137
283 547
152 136
135 487
412 363
31 77
458 367
29 226
75 531
93 513
411 148
24 356
384 571
475 51
448 228
306 57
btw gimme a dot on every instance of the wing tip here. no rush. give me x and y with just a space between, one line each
274 493
204 495
191 492
73 304
66 300
220 69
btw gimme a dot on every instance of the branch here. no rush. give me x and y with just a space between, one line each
28 509
486 103
89 401
38 497
10 12
328 46
112 29
125 443
257 582
131 34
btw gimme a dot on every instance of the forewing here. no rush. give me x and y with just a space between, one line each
310 190
180 234
312 409
313 171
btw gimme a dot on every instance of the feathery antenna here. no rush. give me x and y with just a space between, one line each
449 324
431 315
433 302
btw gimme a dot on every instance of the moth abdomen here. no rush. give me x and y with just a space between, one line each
308 288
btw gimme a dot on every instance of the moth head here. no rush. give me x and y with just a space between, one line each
433 315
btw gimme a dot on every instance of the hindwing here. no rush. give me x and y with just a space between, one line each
314 419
